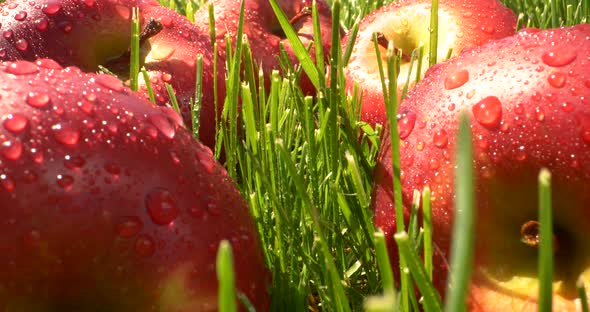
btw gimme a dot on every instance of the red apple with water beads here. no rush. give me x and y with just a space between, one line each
109 203
528 97
406 23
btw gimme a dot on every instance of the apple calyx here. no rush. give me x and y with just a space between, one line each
384 43
530 235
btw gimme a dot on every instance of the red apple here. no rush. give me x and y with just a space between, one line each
528 96
406 23
109 202
264 31
98 32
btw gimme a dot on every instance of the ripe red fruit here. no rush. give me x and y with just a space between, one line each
528 98
264 31
98 32
406 23
109 202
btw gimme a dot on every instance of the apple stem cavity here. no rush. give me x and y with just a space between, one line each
384 42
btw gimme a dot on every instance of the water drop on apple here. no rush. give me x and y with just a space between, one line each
488 111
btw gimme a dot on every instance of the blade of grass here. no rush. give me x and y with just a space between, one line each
319 49
433 51
427 225
383 261
580 285
197 101
225 275
134 51
300 51
545 265
342 302
463 227
148 85
413 227
431 298
172 95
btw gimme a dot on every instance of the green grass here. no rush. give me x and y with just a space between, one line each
304 165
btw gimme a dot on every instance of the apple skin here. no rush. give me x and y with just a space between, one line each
108 201
265 33
406 22
98 32
528 97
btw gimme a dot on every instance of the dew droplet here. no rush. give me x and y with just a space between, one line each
65 134
22 68
173 116
123 11
21 44
406 124
567 107
65 181
557 79
520 154
206 160
456 79
584 126
29 176
488 29
7 183
166 21
12 150
48 63
37 156
42 24
175 158
440 138
16 123
51 9
166 77
110 82
145 246
20 16
8 34
74 162
161 206
558 58
433 164
129 227
162 123
37 100
66 27
488 111
112 168
539 114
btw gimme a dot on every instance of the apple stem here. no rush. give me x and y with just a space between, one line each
305 11
151 29
381 40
